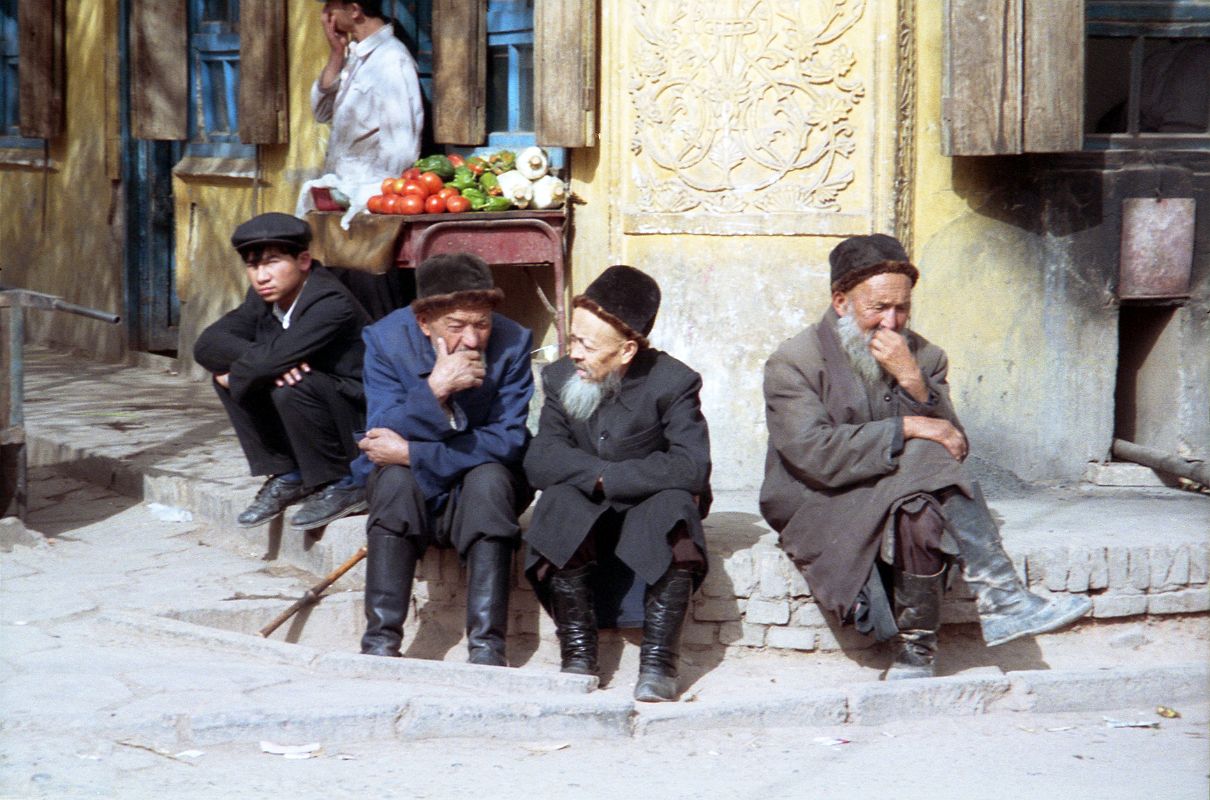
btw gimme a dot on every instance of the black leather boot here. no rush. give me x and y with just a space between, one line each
488 582
1007 610
918 615
571 603
390 568
665 605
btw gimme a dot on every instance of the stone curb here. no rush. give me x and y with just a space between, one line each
408 670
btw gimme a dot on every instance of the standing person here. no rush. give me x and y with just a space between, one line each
864 471
369 92
287 366
448 384
622 457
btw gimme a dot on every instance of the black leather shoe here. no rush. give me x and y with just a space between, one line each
270 501
328 505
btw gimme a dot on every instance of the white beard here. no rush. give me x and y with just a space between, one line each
581 398
857 347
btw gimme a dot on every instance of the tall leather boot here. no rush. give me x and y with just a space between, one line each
571 603
1007 610
488 581
390 568
918 615
665 605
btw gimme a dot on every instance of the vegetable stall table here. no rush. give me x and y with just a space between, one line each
502 238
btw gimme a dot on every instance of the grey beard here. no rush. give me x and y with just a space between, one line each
581 398
857 347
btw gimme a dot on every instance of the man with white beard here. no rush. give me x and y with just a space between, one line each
864 478
622 457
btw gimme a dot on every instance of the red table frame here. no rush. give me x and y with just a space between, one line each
507 238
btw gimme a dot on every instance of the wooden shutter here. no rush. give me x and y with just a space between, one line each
42 67
159 73
263 83
565 72
459 71
1013 77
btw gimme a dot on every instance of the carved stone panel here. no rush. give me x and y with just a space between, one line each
751 116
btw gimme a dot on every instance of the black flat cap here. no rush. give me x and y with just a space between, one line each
454 279
273 228
859 258
624 297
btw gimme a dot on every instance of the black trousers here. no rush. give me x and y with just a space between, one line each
485 505
308 427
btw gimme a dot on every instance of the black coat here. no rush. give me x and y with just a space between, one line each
651 447
250 344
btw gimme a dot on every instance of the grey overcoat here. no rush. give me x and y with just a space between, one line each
837 463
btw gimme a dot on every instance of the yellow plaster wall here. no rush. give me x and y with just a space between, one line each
735 282
60 230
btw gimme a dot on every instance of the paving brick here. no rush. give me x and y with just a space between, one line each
1098 568
767 612
958 612
843 638
1178 572
1079 571
1048 568
798 584
1118 605
1182 601
700 633
718 610
790 638
741 634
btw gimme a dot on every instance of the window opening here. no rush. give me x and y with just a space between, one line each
10 85
214 79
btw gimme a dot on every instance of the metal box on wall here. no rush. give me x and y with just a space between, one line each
1157 248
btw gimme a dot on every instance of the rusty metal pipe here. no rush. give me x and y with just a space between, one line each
1196 471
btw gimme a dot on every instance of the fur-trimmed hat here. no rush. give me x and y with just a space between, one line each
860 257
283 230
451 280
626 298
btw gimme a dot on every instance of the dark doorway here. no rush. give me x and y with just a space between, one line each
1147 391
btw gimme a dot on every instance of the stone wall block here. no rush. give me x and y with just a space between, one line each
1199 563
1139 560
718 610
808 615
1048 567
1159 562
1178 571
1106 606
767 612
798 584
790 638
956 612
1119 569
1098 568
843 638
1079 571
1184 601
702 634
770 570
741 634
730 577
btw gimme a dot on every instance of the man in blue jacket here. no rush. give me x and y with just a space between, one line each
287 366
448 384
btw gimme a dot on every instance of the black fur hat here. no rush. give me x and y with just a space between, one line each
624 297
451 280
860 257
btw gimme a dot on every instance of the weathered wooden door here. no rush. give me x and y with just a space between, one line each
152 306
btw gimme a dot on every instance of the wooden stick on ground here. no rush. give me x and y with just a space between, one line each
311 597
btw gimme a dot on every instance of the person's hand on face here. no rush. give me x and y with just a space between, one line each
336 40
455 372
890 349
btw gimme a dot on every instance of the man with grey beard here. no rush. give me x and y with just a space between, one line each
622 457
864 479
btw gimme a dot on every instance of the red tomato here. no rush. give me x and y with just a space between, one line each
456 160
391 203
433 181
375 204
411 204
448 192
388 186
457 204
398 185
434 204
415 187
411 174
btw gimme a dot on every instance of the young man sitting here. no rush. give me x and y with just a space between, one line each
287 365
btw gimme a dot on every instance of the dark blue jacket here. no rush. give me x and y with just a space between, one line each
489 421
